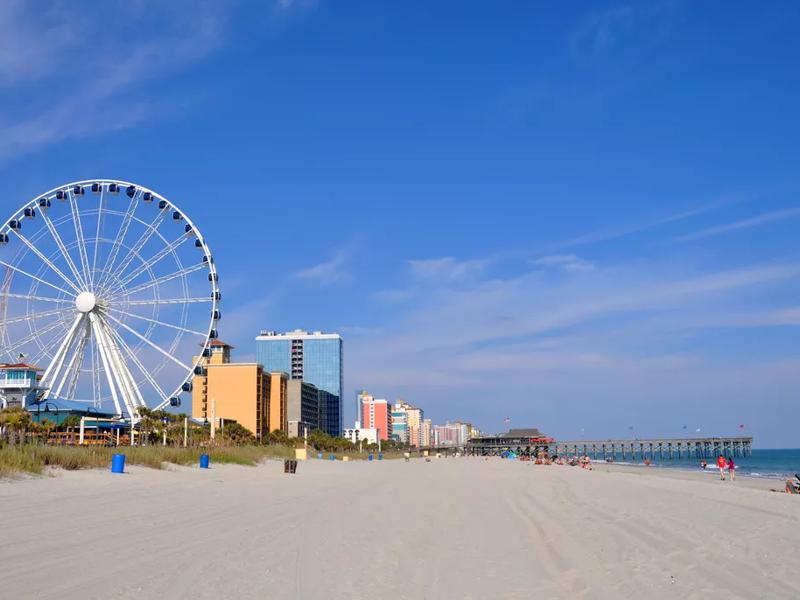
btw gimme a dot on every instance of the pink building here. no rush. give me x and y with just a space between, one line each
376 414
445 435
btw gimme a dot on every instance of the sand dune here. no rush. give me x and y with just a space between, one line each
451 528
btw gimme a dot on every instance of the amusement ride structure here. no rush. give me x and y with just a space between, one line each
107 288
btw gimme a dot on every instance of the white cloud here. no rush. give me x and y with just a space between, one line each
622 336
446 270
568 262
288 5
762 219
73 72
330 271
605 235
643 24
242 324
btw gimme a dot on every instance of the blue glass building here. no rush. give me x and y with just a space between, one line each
313 357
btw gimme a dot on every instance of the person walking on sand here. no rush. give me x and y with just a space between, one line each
732 468
721 465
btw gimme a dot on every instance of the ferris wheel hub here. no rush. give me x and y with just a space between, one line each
85 302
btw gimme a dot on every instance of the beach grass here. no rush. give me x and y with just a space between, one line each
34 459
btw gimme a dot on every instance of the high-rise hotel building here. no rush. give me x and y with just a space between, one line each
376 414
315 358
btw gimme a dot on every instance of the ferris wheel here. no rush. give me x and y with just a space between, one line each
111 291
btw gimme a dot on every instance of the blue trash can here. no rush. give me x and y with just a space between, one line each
118 463
331 457
369 457
380 455
204 460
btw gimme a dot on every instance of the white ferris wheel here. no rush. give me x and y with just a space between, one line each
110 290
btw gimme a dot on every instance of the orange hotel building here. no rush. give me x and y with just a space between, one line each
242 392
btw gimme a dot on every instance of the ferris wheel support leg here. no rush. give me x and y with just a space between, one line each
141 368
78 354
127 386
136 395
58 359
104 359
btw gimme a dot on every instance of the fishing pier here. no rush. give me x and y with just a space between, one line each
660 448
531 442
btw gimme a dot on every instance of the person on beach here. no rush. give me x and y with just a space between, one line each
721 465
703 464
732 468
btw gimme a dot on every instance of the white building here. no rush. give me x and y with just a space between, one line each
18 384
358 434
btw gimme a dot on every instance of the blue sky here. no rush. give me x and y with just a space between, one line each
582 218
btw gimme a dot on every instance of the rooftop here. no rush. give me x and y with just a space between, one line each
519 433
19 366
297 334
218 344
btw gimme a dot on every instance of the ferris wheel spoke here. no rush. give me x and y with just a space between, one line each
151 261
123 231
76 218
149 343
61 246
53 369
163 279
152 227
126 347
168 301
44 348
45 260
30 337
97 233
78 346
40 280
37 315
157 322
39 298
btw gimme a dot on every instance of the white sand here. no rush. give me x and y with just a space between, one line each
449 529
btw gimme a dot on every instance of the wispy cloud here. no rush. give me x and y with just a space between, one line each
567 262
621 334
762 219
244 321
604 235
446 270
648 23
106 81
332 270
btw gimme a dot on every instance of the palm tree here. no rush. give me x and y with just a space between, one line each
47 427
15 421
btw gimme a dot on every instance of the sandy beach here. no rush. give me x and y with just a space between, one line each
451 528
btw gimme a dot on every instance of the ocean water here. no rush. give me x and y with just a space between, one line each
777 464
